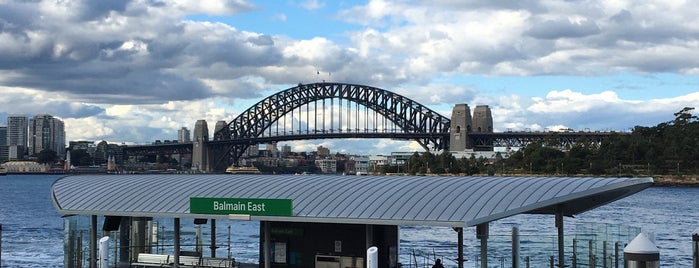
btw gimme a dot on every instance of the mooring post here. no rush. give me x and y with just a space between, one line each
93 241
695 246
213 238
515 247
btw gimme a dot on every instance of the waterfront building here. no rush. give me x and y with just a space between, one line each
378 161
272 150
327 165
361 164
46 133
26 167
184 135
399 158
16 136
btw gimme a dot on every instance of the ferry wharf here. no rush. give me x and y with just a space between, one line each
305 221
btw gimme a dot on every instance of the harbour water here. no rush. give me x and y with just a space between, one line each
32 231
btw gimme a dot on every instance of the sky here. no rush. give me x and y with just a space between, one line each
137 71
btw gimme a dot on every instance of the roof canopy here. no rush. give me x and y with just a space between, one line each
390 200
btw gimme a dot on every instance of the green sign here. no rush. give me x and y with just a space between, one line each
245 206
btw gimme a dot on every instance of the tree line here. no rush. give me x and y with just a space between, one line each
669 148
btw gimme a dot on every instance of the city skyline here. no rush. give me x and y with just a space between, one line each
134 72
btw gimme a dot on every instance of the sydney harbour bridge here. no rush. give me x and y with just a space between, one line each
350 111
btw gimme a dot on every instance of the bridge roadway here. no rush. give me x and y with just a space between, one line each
480 141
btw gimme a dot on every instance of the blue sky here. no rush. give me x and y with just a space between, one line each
136 71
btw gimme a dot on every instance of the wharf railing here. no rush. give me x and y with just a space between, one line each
592 245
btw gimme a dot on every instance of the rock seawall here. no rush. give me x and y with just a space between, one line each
673 180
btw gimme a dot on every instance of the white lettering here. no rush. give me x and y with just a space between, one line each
256 207
225 206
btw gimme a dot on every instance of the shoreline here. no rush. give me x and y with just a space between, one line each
676 181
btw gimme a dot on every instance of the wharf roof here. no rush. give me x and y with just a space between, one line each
389 200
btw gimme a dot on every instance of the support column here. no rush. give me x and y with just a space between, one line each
124 241
267 246
176 243
93 241
213 238
460 235
482 234
559 226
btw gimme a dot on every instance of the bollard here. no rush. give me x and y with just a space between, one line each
695 243
641 253
526 261
104 252
372 257
551 261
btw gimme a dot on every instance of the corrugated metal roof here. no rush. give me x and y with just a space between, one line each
393 200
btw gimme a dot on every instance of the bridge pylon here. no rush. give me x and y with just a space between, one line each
200 159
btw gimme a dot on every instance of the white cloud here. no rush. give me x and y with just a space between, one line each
312 4
139 70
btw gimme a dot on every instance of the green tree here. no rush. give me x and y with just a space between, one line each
412 165
428 161
445 162
80 158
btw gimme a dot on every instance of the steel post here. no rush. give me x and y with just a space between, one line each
559 226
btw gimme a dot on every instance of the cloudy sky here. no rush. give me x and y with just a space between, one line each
137 71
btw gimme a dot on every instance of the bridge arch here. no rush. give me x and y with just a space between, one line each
413 121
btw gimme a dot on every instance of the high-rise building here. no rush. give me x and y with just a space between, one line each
184 135
46 133
286 149
16 136
3 144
